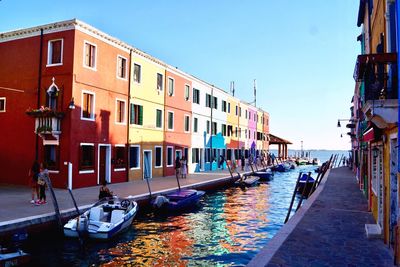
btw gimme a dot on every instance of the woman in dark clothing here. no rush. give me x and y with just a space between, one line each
104 191
33 180
177 167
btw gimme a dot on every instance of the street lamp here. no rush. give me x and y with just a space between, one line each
339 120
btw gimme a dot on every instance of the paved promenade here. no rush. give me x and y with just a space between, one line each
329 231
16 212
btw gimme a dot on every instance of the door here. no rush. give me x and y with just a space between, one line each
201 163
178 153
102 164
147 164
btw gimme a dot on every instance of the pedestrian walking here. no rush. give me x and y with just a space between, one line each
42 182
221 161
177 167
33 181
183 167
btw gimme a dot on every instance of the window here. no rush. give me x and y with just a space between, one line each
195 125
236 132
240 112
207 155
158 118
136 114
223 129
208 100
223 105
240 132
208 127
246 115
195 155
170 159
120 157
196 96
170 86
86 157
236 110
160 82
214 128
2 104
229 107
137 73
121 67
187 92
170 120
54 54
215 103
51 156
245 133
51 96
120 112
134 157
187 124
158 162
90 55
87 105
229 130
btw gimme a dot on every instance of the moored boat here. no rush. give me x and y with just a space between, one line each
178 200
266 175
249 180
305 186
104 219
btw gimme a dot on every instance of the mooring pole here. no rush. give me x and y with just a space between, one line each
304 191
294 194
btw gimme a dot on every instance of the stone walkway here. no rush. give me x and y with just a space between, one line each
331 232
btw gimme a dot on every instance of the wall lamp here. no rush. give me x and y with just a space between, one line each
339 120
71 104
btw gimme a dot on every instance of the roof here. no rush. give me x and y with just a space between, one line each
274 140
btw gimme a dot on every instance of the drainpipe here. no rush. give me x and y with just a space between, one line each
128 122
38 90
212 106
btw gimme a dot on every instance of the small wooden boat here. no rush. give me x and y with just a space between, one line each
178 200
266 175
305 186
104 219
247 181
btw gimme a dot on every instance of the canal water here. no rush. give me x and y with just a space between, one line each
228 229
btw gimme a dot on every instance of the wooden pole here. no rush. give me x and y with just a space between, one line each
55 203
229 168
294 194
73 200
304 191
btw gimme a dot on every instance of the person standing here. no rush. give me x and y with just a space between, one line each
183 167
104 191
177 166
42 182
221 161
33 180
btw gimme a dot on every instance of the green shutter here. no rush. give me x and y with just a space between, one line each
140 115
132 114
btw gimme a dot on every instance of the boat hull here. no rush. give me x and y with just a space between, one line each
264 176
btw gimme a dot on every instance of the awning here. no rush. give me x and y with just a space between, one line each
369 135
364 60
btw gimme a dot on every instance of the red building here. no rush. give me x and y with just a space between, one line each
54 66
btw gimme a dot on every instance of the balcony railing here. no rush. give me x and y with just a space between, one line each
47 122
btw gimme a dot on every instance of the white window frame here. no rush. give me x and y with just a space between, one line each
172 156
126 68
162 80
87 171
184 122
134 168
84 56
140 73
161 119
188 97
119 169
173 82
5 102
116 111
49 55
155 157
173 118
93 118
193 124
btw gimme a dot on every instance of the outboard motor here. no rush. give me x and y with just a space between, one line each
82 224
160 201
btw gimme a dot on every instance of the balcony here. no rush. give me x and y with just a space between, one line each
379 74
47 124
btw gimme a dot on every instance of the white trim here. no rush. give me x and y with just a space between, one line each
84 55
173 82
108 163
162 79
184 93
119 145
140 73
126 68
151 162
116 111
173 117
86 172
48 52
5 101
119 169
50 171
93 112
166 158
193 124
86 144
162 123
184 122
155 153
135 168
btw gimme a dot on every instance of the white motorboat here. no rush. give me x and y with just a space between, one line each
103 220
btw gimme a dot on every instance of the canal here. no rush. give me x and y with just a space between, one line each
228 229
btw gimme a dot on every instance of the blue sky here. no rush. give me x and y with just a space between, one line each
302 53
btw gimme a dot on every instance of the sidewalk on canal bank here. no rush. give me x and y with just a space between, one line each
16 212
328 230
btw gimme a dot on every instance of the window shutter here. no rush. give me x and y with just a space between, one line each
140 115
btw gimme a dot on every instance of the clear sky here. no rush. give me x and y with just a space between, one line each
302 53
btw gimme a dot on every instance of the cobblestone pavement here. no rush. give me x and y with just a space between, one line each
332 230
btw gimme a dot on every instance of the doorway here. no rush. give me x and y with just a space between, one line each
147 164
104 164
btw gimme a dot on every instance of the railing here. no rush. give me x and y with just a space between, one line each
48 125
381 82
